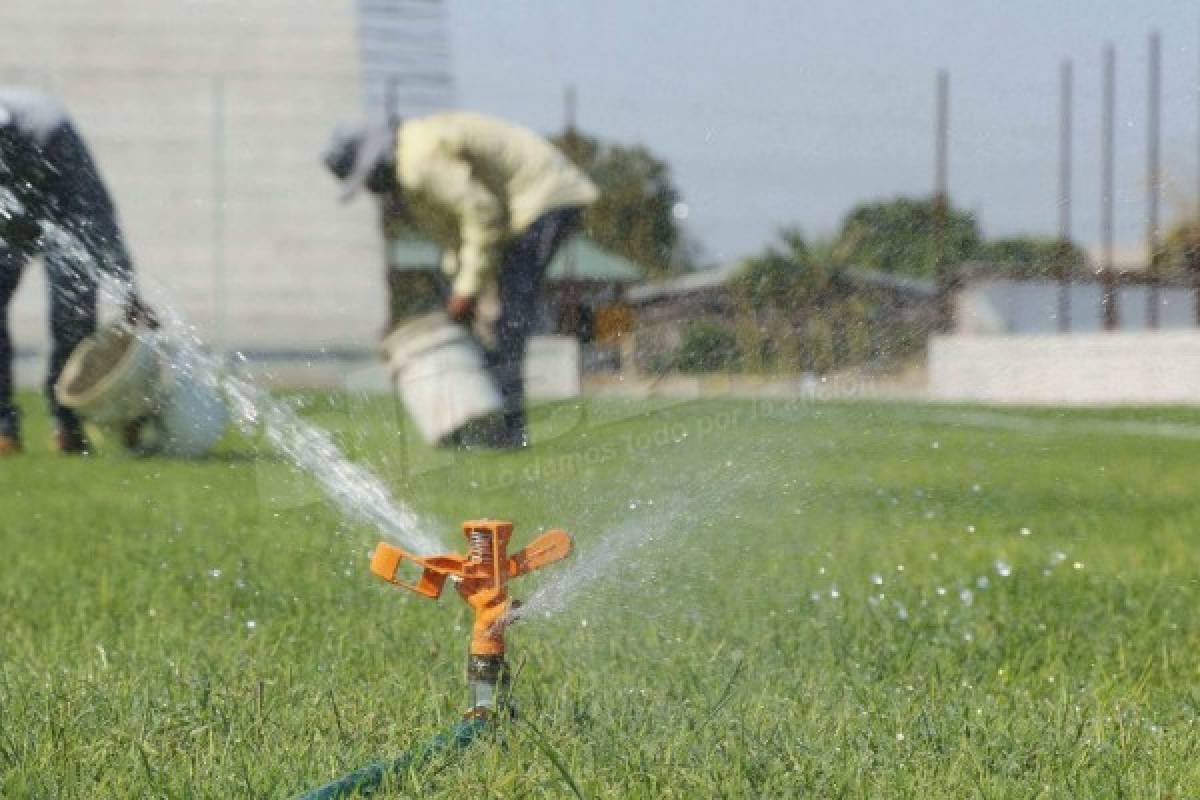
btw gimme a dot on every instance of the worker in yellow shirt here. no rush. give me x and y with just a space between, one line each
499 199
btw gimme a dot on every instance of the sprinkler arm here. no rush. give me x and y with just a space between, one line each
553 545
482 575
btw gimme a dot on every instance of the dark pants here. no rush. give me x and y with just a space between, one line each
72 317
520 279
70 221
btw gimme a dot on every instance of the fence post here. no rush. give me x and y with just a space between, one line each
1064 199
1108 297
1153 181
943 270
220 298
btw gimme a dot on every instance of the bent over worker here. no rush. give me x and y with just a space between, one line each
53 203
498 198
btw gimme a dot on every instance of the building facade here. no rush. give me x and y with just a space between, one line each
207 120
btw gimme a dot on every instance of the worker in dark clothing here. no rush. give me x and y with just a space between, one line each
53 204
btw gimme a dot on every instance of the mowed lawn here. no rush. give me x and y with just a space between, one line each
768 599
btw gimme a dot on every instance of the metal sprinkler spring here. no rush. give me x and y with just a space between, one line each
482 550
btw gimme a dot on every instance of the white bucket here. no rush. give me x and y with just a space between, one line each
193 416
440 373
110 378
116 378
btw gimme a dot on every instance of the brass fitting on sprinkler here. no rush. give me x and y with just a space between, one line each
481 579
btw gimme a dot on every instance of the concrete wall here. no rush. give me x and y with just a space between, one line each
999 305
1075 369
553 368
207 120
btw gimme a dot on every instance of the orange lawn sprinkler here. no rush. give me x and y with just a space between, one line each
481 578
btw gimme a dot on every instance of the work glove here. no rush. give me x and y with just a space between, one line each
461 308
20 232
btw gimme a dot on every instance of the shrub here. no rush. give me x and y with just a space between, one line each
707 348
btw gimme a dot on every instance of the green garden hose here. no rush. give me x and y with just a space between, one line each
366 780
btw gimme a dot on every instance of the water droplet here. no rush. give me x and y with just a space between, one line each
1078 565
982 582
966 596
970 529
941 591
251 624
214 573
1003 568
1026 532
899 737
877 579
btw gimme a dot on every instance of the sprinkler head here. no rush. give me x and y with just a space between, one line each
481 579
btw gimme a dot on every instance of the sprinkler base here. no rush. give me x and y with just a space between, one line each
488 680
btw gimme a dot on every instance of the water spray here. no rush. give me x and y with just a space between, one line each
481 579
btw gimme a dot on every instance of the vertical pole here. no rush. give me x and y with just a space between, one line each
943 271
391 110
391 98
565 304
1108 301
569 110
220 334
1064 198
1153 180
1194 245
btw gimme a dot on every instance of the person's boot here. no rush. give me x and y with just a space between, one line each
10 432
71 441
515 435
10 444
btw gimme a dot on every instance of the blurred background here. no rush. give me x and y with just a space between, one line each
922 200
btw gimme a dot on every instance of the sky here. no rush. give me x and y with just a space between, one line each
774 113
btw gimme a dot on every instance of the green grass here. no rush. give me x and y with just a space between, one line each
792 607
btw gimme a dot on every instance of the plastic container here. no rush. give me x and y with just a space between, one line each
439 371
110 378
193 417
116 378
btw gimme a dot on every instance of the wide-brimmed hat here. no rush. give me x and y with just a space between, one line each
355 149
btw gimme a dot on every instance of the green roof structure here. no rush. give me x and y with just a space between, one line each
581 259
